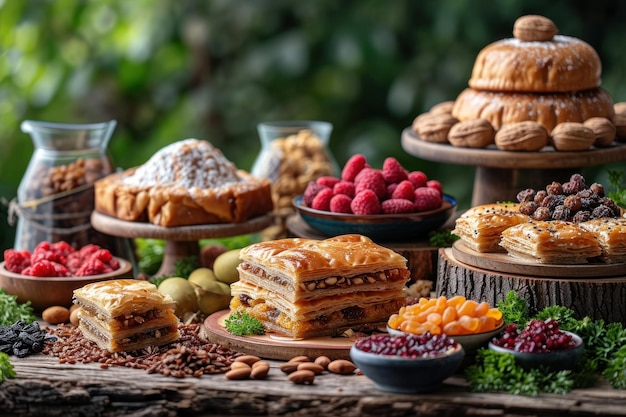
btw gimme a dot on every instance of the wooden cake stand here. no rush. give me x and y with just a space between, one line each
180 242
596 290
500 175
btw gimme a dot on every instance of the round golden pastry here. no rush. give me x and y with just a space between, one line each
501 108
562 64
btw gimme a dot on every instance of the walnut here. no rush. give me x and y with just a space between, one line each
476 133
619 120
522 136
444 107
572 136
603 129
434 127
531 28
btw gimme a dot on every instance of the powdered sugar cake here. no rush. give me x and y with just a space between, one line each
185 183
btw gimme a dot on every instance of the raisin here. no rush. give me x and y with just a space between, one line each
353 312
542 213
561 213
244 300
541 194
526 195
597 189
555 188
527 207
573 202
581 216
601 211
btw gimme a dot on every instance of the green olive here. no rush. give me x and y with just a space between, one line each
210 302
182 292
225 266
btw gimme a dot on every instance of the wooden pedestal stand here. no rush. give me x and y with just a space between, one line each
597 291
501 175
180 242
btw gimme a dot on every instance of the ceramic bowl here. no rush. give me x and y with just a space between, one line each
378 227
470 342
556 360
404 375
43 292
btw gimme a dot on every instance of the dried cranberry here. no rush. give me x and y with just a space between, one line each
408 346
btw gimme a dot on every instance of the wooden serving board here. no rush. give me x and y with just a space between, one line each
274 347
502 262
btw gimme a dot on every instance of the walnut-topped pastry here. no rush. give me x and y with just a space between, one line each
188 182
537 75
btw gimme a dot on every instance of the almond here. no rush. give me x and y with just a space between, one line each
341 367
260 370
323 361
534 28
289 367
572 136
239 365
522 136
301 358
311 366
603 129
240 373
56 315
302 377
247 359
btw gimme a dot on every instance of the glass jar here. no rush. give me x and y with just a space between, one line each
55 197
293 153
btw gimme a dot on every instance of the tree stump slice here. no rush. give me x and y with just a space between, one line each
596 297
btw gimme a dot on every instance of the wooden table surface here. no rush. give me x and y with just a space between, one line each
44 387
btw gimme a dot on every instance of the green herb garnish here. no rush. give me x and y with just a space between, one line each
618 194
241 323
442 238
604 353
6 369
11 311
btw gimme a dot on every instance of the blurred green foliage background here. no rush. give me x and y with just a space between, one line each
213 69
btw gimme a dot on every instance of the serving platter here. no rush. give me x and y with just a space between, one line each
274 347
502 262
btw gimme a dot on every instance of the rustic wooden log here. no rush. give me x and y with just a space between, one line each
43 387
595 297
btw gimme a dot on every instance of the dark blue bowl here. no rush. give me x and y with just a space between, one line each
378 227
407 375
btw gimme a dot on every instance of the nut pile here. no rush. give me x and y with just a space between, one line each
571 201
190 355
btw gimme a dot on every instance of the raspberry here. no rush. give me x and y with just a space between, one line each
92 267
436 185
344 187
327 181
365 202
101 254
74 261
42 268
87 250
16 260
40 255
340 203
418 178
354 165
42 247
322 200
404 190
397 205
310 192
62 248
371 179
427 198
390 189
61 270
393 171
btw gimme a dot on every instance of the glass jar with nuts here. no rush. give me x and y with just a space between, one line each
55 197
292 154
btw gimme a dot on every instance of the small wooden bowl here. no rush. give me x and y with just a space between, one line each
43 292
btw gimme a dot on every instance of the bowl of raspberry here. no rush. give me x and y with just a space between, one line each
386 204
540 344
407 364
49 274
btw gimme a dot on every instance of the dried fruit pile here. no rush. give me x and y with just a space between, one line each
571 201
407 346
59 259
364 190
538 336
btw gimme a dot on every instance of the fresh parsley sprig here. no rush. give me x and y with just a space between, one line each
12 311
6 369
240 323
